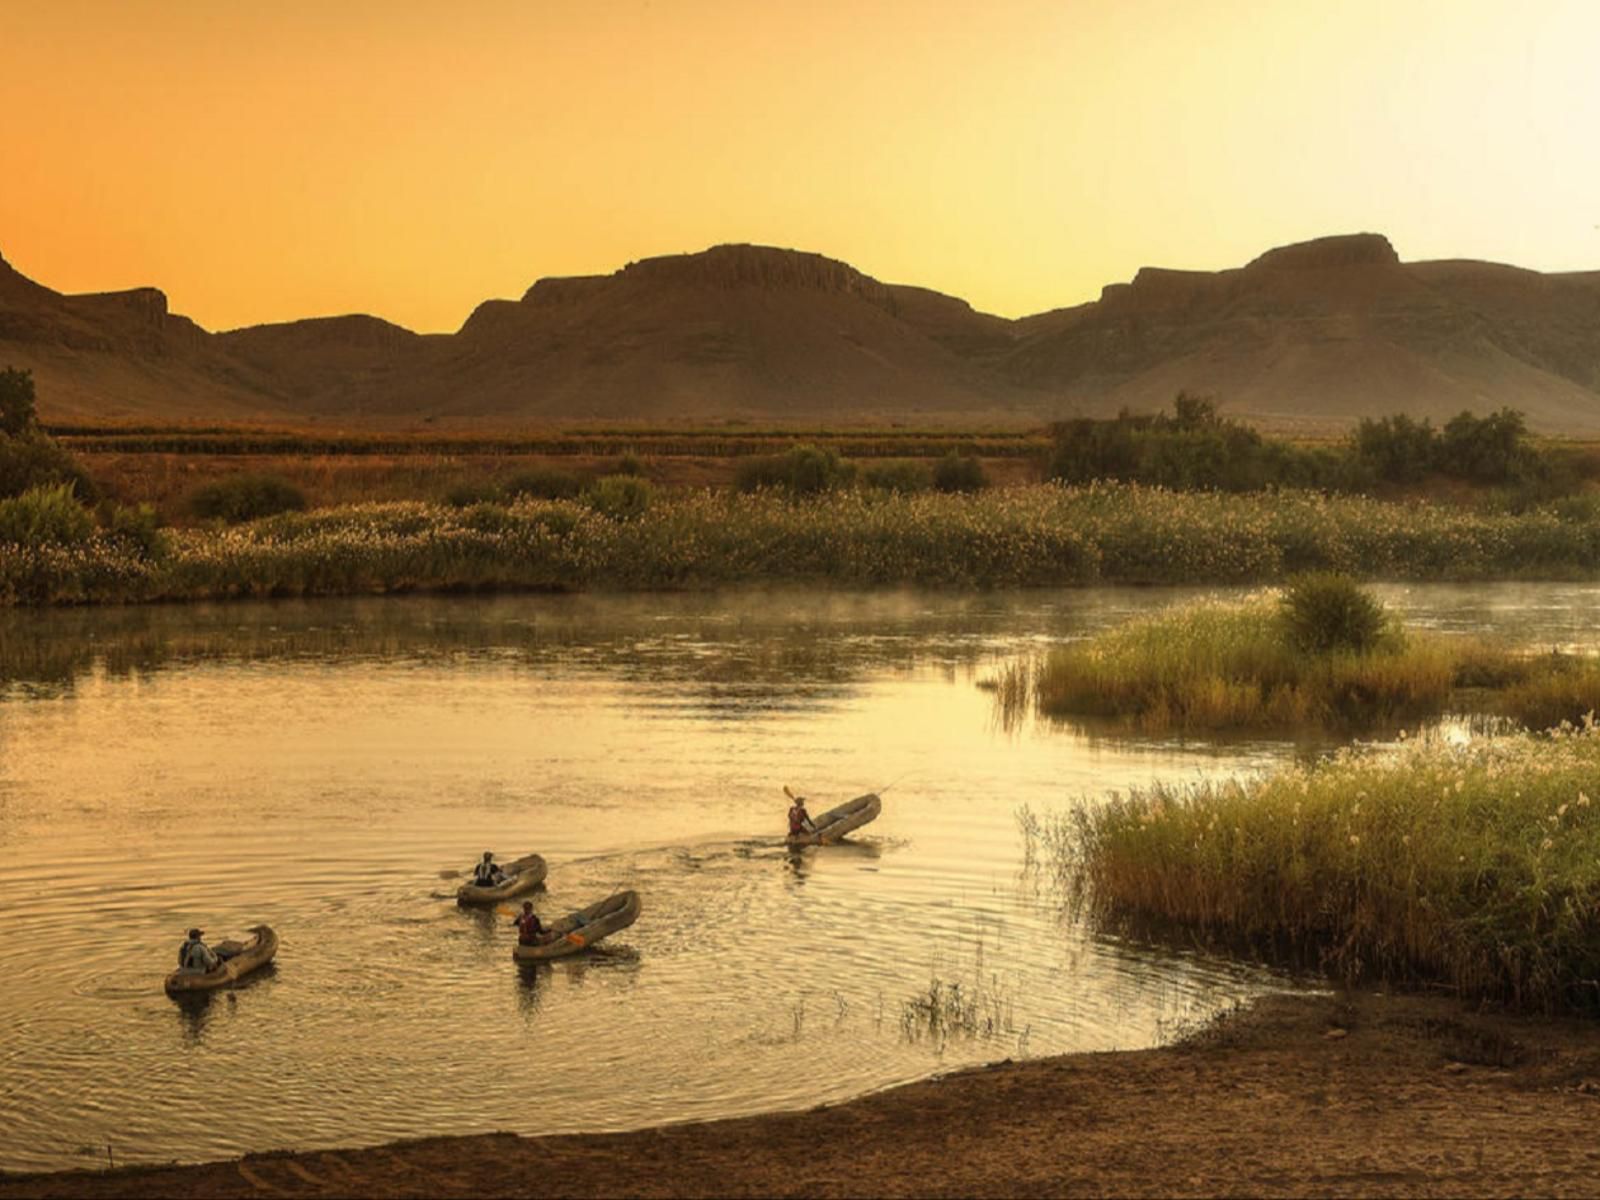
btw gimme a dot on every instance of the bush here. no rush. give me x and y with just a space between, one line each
487 517
246 498
1326 612
955 473
804 471
17 413
903 478
1491 449
45 515
620 497
475 491
31 460
136 529
1396 449
630 464
542 483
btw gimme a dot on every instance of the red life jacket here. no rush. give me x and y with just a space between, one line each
797 821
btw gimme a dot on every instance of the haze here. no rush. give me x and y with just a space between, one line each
266 162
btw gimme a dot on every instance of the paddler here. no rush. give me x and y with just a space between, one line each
799 819
195 956
487 873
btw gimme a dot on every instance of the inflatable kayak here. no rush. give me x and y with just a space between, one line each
583 928
836 822
521 876
242 958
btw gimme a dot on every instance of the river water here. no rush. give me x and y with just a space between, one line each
326 766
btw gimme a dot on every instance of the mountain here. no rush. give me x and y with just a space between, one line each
1328 331
1310 335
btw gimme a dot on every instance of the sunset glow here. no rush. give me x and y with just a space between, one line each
409 158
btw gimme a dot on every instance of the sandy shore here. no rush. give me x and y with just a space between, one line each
1349 1095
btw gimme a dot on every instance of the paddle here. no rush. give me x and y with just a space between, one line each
810 824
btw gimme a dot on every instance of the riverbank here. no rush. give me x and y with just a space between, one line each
1357 1095
631 539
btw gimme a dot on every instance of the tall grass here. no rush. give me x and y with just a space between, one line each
1044 535
1212 665
1474 867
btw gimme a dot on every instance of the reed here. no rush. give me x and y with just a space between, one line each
1213 666
1012 537
1473 867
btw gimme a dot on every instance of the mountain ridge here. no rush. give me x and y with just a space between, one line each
1319 332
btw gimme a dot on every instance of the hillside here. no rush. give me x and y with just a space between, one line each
1310 335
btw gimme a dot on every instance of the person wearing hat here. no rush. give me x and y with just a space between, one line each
194 955
488 873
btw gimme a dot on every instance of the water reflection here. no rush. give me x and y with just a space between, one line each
342 753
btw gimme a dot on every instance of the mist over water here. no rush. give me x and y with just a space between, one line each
321 766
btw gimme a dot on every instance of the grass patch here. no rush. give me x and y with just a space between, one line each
1214 666
1472 867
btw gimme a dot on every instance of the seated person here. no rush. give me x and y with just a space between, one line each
530 930
799 819
488 873
195 957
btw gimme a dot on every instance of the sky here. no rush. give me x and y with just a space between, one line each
267 161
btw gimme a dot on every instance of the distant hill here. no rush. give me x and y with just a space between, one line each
1310 335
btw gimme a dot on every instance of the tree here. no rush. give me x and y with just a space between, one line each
17 415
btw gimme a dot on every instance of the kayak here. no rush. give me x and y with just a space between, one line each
584 928
243 958
836 822
521 876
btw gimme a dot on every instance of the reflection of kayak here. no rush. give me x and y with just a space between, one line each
836 822
584 928
255 953
522 876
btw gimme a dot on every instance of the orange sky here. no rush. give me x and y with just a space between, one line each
265 161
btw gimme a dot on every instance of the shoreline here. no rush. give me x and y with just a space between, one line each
1346 1094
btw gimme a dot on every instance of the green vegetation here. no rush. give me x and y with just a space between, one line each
906 478
45 516
959 473
246 498
1029 536
1322 655
803 471
620 497
1195 448
29 459
1213 666
1473 867
541 483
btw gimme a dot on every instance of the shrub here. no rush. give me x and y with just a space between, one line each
903 478
136 529
630 464
620 497
955 473
542 483
804 471
1325 612
246 498
1554 691
1396 449
487 517
30 460
45 515
1491 449
17 414
476 491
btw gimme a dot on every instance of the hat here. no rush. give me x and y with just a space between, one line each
196 933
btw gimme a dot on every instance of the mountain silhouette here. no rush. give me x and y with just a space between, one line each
1310 335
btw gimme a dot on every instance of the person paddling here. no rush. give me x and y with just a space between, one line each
799 819
195 956
488 873
530 930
